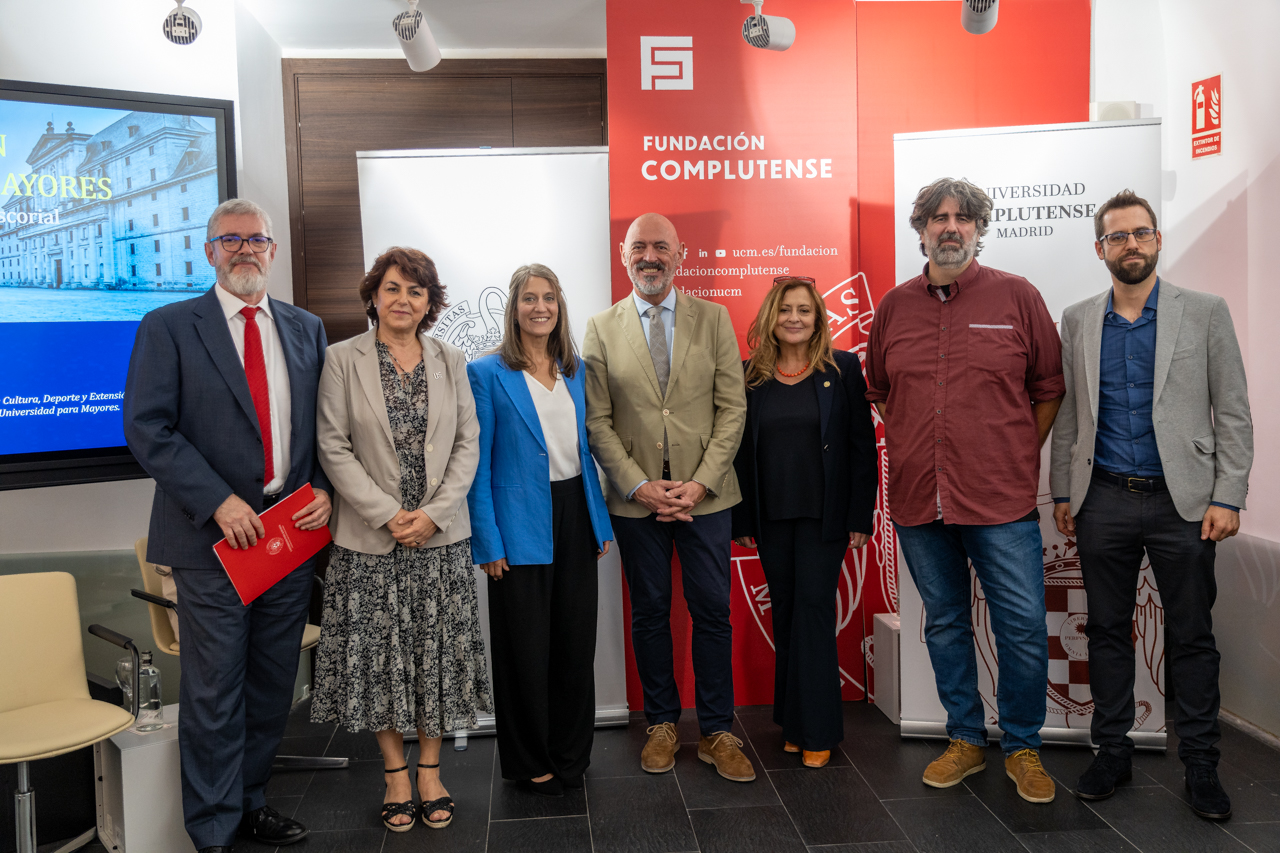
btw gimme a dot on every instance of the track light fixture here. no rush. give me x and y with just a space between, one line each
182 25
768 32
416 41
979 16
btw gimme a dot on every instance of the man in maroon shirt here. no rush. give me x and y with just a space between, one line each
965 366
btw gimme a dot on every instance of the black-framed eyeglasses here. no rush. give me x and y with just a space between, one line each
232 243
783 279
1119 238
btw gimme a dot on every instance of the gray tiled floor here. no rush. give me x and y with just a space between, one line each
868 800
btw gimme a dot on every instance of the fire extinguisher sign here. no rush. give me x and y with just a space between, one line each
1206 117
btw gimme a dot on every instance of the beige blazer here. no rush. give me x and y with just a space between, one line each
703 412
356 450
1200 411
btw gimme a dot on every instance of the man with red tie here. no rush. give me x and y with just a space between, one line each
219 408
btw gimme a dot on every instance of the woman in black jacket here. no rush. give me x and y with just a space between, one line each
807 469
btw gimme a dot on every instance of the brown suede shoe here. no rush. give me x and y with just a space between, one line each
659 754
724 751
1024 768
816 759
960 760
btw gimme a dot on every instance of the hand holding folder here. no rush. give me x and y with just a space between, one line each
283 548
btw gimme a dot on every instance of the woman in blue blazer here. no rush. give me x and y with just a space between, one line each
538 525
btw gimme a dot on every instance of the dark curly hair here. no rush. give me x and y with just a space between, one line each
414 265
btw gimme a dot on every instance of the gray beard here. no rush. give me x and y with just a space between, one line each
659 284
244 280
947 257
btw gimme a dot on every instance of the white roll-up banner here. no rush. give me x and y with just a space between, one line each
480 214
1045 182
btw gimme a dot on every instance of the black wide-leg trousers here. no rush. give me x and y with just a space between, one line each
1113 527
803 571
542 624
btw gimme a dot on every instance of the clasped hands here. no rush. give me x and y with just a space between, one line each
412 529
243 528
671 500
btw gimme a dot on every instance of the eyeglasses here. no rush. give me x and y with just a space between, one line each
232 243
1119 238
783 279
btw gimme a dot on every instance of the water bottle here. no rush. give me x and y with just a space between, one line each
150 710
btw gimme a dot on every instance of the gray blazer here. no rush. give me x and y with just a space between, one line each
357 452
1200 409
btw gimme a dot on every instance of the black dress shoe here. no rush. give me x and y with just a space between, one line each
574 782
268 826
1099 781
552 787
1208 799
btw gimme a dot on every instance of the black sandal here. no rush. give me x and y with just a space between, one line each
390 810
440 804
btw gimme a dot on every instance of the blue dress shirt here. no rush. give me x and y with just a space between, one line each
1126 442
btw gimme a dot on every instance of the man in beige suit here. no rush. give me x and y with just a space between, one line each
666 405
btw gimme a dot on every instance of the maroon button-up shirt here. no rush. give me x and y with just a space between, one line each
957 380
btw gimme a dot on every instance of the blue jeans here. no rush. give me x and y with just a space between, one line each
1008 559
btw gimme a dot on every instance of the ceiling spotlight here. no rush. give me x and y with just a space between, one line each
979 16
416 41
181 26
767 31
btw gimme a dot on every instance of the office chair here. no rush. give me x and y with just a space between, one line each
45 709
167 641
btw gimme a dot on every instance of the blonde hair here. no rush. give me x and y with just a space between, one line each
764 344
560 346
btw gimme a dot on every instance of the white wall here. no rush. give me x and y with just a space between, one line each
1220 218
121 46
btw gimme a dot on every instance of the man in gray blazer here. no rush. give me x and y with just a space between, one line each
220 408
1151 450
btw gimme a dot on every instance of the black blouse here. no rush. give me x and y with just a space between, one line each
789 452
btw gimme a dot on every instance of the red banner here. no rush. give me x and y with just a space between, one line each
754 154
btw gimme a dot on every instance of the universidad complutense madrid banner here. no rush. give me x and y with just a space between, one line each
752 154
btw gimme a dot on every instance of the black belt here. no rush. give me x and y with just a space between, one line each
269 501
1149 485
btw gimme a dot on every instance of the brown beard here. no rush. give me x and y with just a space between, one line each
1130 275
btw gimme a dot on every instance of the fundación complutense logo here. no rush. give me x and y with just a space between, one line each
662 66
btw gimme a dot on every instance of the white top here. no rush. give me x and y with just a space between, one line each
668 315
277 377
559 418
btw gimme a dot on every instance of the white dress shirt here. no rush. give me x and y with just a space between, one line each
559 418
277 377
668 314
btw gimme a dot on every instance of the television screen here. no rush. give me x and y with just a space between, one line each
102 218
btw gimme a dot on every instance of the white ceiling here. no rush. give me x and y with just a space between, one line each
511 27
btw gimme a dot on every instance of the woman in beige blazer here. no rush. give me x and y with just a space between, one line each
400 645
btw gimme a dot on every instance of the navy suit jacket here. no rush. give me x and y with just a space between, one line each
848 453
190 422
510 498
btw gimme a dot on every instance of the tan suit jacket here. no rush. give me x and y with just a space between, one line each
703 412
357 452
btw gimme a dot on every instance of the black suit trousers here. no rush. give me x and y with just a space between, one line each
542 625
1113 527
803 571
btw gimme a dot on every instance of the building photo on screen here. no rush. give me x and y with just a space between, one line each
103 205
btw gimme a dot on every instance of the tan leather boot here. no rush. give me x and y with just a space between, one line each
1034 784
659 754
960 760
724 751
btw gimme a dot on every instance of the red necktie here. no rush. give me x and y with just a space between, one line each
255 370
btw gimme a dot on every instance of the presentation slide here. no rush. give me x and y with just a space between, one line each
102 219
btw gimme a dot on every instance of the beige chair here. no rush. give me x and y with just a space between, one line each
45 709
159 607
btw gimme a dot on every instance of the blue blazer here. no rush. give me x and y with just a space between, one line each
510 498
190 422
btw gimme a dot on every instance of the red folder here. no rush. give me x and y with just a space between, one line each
256 569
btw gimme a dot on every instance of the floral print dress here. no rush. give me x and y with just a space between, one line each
400 645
